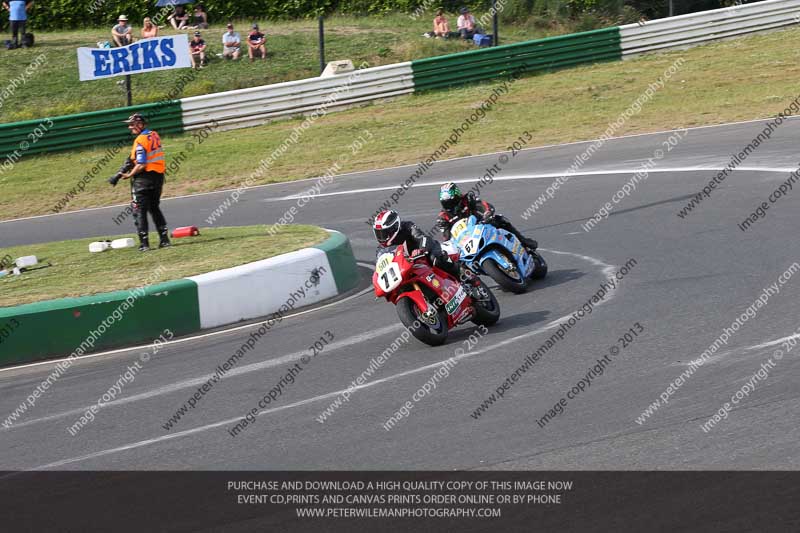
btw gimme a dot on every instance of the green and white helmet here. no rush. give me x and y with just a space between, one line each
449 195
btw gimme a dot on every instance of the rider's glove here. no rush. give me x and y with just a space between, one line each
416 254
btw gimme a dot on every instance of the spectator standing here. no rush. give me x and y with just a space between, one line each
179 18
18 17
231 43
200 17
256 42
441 28
149 30
467 26
197 46
121 33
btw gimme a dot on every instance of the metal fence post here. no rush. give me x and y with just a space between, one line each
321 44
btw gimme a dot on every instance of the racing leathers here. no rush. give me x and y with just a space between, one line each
415 239
471 204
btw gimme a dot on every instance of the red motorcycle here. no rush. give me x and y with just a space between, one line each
430 301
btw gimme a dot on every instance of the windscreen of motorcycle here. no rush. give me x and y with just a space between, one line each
388 272
458 228
450 248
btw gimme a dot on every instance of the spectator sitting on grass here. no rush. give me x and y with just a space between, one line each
256 43
197 46
441 28
121 33
149 29
200 17
179 18
231 41
467 26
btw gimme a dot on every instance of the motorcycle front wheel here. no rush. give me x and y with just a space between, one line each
539 266
487 310
503 279
432 334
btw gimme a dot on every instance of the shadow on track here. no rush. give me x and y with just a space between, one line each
615 213
556 277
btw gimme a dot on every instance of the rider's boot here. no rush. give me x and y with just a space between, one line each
472 282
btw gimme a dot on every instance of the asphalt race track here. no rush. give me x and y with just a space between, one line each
692 278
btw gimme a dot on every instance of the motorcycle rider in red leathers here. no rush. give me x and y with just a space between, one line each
391 231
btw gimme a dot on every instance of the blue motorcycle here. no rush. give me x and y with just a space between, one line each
488 250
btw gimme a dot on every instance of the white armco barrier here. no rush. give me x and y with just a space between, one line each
697 28
314 97
257 105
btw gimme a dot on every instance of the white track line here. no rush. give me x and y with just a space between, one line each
197 381
533 148
773 343
722 355
540 176
185 433
606 269
187 339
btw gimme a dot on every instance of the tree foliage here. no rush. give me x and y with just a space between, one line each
61 14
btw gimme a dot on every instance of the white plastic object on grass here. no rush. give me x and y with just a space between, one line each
99 246
122 243
27 261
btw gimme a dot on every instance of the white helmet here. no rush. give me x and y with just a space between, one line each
386 227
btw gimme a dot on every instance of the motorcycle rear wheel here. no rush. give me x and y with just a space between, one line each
409 315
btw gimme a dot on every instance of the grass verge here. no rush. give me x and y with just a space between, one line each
734 80
76 272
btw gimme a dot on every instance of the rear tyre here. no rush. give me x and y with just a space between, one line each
503 279
431 334
539 266
487 312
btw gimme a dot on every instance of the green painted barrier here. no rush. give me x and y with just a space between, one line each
530 56
87 324
98 322
53 134
343 262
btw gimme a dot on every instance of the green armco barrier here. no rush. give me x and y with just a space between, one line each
540 54
343 262
86 129
105 127
60 326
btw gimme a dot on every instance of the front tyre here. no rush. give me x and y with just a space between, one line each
539 266
504 279
487 308
430 330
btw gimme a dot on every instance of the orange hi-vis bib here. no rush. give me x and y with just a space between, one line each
151 143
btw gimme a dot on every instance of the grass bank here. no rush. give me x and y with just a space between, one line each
740 79
76 272
292 51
